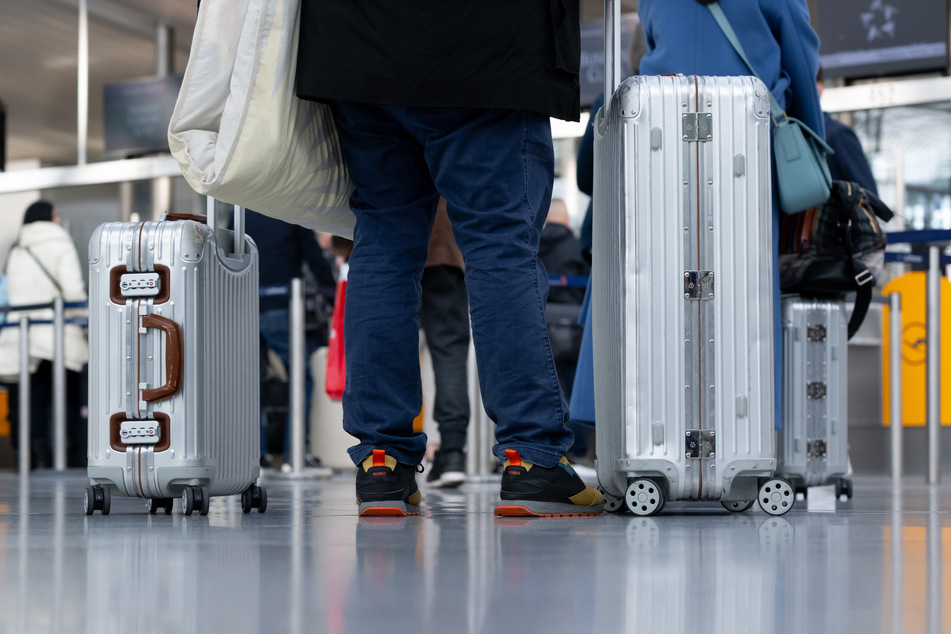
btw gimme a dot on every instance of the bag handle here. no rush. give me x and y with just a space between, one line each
174 354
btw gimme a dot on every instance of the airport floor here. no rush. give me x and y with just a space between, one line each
878 563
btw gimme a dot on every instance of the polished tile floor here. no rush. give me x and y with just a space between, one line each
880 563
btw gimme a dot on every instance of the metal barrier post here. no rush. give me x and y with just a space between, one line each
296 375
24 424
934 364
59 386
894 382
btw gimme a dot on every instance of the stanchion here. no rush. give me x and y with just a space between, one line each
24 395
59 386
296 380
894 382
296 375
934 364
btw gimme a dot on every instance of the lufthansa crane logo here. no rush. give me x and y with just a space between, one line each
878 20
915 344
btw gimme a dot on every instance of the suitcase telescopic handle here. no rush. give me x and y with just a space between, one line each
212 215
174 355
612 47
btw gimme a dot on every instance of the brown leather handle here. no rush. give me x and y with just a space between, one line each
172 216
174 356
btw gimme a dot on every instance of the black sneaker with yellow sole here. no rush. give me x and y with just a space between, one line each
386 488
529 490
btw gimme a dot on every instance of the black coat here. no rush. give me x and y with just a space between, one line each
519 54
560 252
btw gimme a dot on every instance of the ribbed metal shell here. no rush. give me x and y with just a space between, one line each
813 361
665 364
214 417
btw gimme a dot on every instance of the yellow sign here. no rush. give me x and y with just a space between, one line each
913 289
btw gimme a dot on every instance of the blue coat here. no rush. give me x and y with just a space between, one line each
683 37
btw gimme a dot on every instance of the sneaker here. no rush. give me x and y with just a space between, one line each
387 488
531 490
448 470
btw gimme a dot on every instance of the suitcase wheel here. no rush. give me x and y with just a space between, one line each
96 498
195 499
737 506
612 504
160 503
254 497
843 486
776 496
645 497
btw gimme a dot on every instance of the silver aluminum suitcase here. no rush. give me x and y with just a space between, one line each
682 295
813 444
173 329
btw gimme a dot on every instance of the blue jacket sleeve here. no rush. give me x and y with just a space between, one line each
585 165
849 162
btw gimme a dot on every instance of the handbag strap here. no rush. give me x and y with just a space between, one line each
727 29
43 268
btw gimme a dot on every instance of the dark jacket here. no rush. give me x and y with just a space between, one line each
560 252
849 162
520 54
282 250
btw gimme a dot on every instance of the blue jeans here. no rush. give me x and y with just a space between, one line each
495 169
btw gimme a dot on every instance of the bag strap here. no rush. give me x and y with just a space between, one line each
864 280
43 268
727 29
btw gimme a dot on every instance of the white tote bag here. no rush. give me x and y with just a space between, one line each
239 132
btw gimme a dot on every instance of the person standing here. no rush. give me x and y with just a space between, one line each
454 98
444 316
43 265
283 250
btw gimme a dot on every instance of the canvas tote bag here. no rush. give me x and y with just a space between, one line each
239 132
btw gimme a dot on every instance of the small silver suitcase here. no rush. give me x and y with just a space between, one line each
813 444
173 332
682 295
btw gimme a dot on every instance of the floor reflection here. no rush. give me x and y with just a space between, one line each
876 564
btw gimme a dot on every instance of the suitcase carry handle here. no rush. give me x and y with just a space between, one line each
174 353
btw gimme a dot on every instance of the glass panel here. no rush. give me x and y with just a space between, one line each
909 149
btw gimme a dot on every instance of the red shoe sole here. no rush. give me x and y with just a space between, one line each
385 511
521 511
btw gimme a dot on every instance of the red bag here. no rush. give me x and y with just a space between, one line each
336 378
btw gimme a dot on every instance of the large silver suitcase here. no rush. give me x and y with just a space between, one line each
813 444
173 331
682 295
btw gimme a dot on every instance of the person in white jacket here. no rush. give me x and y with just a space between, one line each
42 265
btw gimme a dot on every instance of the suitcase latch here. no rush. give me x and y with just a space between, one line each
816 332
816 448
700 443
139 284
697 126
816 390
698 285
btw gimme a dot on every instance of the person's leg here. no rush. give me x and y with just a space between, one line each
394 202
444 314
495 169
76 424
41 401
